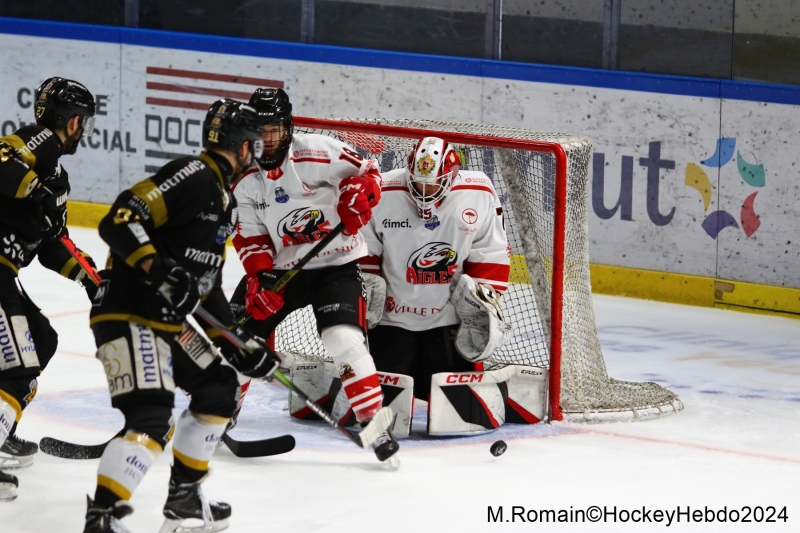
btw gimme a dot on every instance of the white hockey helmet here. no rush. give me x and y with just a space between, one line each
432 167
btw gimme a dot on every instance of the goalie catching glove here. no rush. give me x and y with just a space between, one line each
482 329
257 362
358 195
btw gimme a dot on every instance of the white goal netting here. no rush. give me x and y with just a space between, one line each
524 175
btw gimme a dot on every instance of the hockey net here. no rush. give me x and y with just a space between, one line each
541 179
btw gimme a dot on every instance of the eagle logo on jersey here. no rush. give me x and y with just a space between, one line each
434 263
303 226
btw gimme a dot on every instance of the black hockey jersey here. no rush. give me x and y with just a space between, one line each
184 212
28 157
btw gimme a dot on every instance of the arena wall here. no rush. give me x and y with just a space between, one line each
694 182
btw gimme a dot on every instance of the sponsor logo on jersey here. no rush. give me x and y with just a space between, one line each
469 215
302 226
388 223
433 223
346 372
463 378
205 283
208 217
261 205
175 179
8 347
204 257
434 263
222 234
391 307
36 141
280 195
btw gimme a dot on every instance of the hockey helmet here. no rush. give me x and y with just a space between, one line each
273 107
60 99
229 123
432 167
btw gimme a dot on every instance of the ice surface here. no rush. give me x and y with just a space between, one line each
735 444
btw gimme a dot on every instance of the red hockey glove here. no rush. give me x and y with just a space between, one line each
357 198
261 304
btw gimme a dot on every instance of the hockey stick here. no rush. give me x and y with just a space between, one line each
69 450
379 423
289 274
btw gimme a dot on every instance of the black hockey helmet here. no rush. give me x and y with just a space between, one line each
229 123
60 99
273 107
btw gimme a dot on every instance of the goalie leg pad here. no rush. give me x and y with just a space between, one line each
346 344
321 382
527 395
398 393
468 403
375 287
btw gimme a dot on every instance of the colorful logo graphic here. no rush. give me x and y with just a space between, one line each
303 226
436 262
751 173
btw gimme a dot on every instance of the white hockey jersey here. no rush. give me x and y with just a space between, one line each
284 211
419 258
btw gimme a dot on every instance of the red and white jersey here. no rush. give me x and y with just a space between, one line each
284 211
420 258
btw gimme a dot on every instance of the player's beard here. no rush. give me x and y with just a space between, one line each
72 141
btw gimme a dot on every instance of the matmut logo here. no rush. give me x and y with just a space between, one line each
453 379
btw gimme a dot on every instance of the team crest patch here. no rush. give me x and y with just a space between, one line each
303 226
346 372
426 165
434 263
280 195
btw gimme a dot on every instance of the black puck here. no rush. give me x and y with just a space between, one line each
498 448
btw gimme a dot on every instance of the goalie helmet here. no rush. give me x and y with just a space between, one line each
432 167
60 99
229 123
273 108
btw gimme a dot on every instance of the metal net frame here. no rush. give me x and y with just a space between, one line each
542 181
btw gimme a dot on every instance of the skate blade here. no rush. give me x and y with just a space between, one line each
392 463
8 492
13 462
192 526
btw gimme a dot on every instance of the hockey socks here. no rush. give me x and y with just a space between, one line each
356 368
196 438
124 463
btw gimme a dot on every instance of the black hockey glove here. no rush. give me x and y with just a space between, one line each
50 201
86 281
260 362
176 286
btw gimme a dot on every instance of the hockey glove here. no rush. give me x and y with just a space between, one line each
260 362
50 201
85 280
358 195
176 286
261 304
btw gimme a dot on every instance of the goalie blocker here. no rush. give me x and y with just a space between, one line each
460 403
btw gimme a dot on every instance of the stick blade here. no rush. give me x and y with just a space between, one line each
69 450
259 448
379 423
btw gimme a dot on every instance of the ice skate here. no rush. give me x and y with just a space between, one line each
106 519
188 510
17 453
8 487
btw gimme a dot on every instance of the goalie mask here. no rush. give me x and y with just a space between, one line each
275 116
58 100
432 167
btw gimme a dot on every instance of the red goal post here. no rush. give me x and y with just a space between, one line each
541 179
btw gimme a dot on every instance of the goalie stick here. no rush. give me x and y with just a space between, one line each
69 450
289 274
379 423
